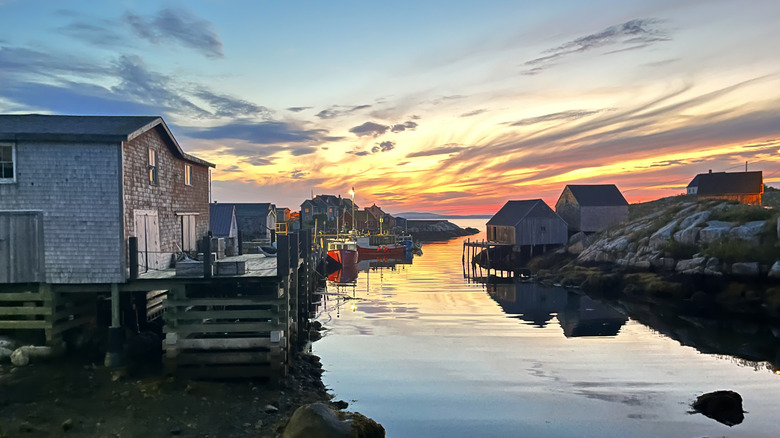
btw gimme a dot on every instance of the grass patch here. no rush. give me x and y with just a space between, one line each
741 213
678 250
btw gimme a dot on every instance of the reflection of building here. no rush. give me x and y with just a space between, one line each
531 302
583 316
537 304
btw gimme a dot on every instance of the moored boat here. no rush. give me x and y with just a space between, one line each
344 251
379 245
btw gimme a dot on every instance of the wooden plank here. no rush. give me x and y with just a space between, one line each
224 344
67 325
247 327
243 301
221 314
21 325
21 296
25 311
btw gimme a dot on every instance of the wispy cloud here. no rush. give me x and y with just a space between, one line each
632 35
442 150
563 115
267 132
474 113
177 26
297 109
228 106
336 111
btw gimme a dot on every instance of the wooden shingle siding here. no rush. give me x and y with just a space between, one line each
169 196
77 188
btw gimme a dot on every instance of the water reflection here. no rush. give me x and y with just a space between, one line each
427 353
578 315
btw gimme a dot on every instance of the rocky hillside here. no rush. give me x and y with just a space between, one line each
429 230
689 237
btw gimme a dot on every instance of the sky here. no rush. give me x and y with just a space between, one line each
444 107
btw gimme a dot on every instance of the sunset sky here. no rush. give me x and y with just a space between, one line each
440 106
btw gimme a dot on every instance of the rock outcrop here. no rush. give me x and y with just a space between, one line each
722 406
318 420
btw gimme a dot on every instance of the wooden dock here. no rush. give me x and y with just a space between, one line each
245 317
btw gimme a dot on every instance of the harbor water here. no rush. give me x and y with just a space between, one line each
428 353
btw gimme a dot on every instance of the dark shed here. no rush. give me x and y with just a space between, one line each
527 223
591 208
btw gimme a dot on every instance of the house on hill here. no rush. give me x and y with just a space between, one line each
74 189
744 187
224 225
591 208
529 224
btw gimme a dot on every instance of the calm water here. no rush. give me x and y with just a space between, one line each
427 353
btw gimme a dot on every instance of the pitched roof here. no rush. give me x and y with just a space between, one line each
248 209
220 218
597 195
736 183
513 212
86 128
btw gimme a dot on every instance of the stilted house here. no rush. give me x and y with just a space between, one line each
744 187
224 226
591 208
73 189
529 226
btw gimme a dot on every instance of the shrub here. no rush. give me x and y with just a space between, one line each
678 250
741 213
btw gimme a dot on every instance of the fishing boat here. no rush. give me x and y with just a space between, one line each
343 250
380 245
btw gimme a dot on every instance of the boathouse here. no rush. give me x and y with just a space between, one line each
591 208
744 187
80 186
256 221
527 224
223 222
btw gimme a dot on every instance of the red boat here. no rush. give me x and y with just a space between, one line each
347 274
383 246
343 251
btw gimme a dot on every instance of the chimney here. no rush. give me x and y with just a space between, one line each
710 170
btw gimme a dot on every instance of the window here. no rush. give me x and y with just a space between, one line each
7 163
188 174
152 166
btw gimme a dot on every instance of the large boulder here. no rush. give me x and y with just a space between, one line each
714 230
722 406
663 235
774 272
694 220
750 232
691 266
318 420
748 269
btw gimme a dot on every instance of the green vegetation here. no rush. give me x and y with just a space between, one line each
741 213
678 250
644 209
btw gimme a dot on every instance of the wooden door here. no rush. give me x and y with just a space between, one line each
147 230
21 247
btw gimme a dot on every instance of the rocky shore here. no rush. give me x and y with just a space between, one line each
708 256
438 229
77 397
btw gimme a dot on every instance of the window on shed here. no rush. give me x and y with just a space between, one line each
188 174
7 162
153 166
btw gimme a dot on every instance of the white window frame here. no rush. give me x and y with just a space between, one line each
154 167
13 163
187 174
